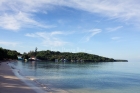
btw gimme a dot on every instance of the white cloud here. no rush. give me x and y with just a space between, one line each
30 35
57 33
116 38
9 22
114 29
124 10
18 13
5 43
16 21
93 33
49 38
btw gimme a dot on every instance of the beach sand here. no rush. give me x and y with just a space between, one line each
9 83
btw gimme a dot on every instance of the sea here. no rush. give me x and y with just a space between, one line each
79 77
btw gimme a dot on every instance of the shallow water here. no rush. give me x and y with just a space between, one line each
102 77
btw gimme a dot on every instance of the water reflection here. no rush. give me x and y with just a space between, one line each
58 65
92 76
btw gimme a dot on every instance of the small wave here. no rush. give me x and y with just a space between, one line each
30 81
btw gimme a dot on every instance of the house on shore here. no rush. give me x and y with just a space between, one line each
19 57
32 58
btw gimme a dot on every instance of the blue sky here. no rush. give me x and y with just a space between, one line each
104 27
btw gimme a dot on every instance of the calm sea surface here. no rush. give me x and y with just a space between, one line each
103 77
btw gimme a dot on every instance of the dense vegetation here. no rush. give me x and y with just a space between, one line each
8 54
52 55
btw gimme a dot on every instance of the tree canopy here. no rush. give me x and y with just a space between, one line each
53 55
8 54
81 56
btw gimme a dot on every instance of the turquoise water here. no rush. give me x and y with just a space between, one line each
102 77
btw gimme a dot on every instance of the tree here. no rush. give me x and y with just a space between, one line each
8 54
35 51
25 56
52 55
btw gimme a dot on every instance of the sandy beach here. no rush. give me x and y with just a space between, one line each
9 83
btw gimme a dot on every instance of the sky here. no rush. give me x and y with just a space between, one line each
109 28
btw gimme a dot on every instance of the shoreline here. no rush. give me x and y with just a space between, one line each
11 83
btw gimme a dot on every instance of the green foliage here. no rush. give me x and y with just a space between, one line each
52 55
31 54
8 54
25 56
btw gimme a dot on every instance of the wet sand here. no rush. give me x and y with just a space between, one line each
9 83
